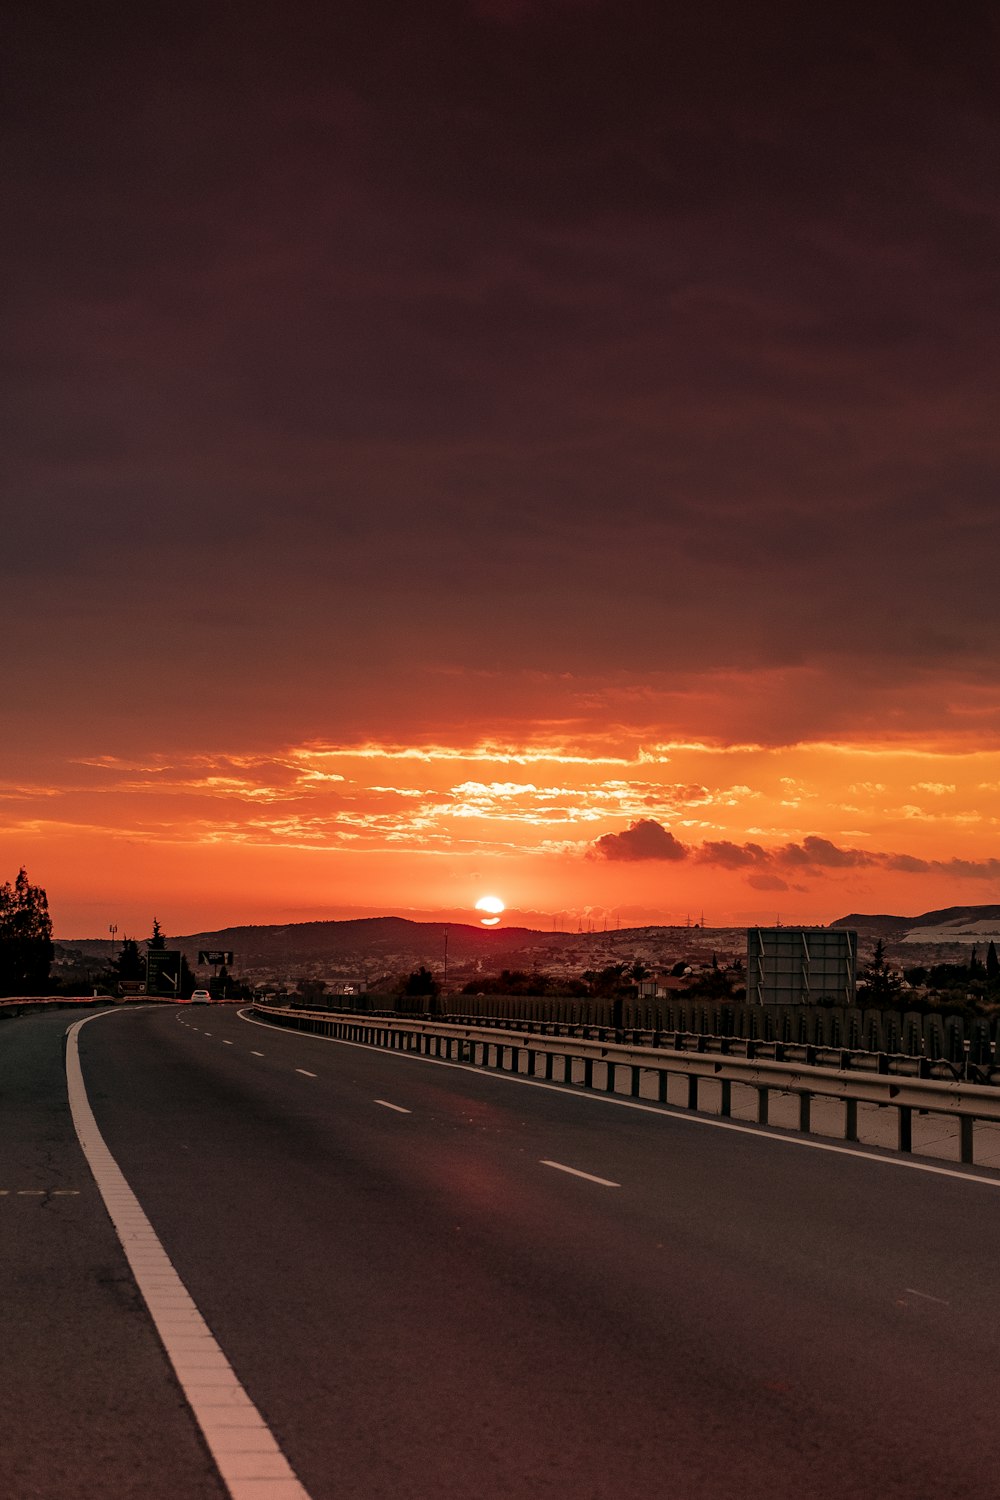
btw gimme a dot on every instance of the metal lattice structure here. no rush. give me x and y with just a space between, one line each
801 965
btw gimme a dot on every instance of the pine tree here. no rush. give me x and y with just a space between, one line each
157 942
992 963
130 964
882 985
25 937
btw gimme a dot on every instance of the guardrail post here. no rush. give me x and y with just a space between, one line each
726 1099
692 1091
515 1059
805 1101
662 1080
609 1076
905 1122
636 1082
550 1061
762 1104
588 1072
850 1119
965 1125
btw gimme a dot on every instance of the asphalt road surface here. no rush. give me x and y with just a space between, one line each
436 1282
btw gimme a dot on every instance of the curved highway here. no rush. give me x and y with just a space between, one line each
432 1281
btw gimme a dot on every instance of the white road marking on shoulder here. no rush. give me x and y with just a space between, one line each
575 1172
226 1043
241 1444
397 1107
256 1054
305 1073
912 1292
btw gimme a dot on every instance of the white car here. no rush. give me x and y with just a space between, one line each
200 997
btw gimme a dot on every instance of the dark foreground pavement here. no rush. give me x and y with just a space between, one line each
422 1302
88 1405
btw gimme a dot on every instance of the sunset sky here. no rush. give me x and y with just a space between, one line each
542 448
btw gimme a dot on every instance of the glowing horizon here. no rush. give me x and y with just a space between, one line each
812 831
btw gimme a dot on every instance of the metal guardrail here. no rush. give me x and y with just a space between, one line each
20 1003
596 1063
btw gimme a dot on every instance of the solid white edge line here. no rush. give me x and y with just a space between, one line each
575 1172
397 1107
804 1143
242 1446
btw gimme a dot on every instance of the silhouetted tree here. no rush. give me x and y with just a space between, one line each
992 964
25 937
421 982
714 984
607 981
130 964
881 984
157 941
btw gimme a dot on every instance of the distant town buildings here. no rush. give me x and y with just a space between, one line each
801 965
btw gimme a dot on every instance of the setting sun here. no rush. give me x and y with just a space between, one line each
493 906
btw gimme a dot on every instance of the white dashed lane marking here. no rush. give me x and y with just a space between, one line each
255 1054
575 1172
397 1107
305 1073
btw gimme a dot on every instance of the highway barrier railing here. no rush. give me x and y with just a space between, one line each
956 1045
18 1004
599 1063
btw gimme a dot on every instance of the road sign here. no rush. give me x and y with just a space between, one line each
163 972
215 956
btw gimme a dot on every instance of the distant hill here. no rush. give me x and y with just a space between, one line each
883 926
376 948
948 924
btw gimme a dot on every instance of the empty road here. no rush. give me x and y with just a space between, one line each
436 1282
